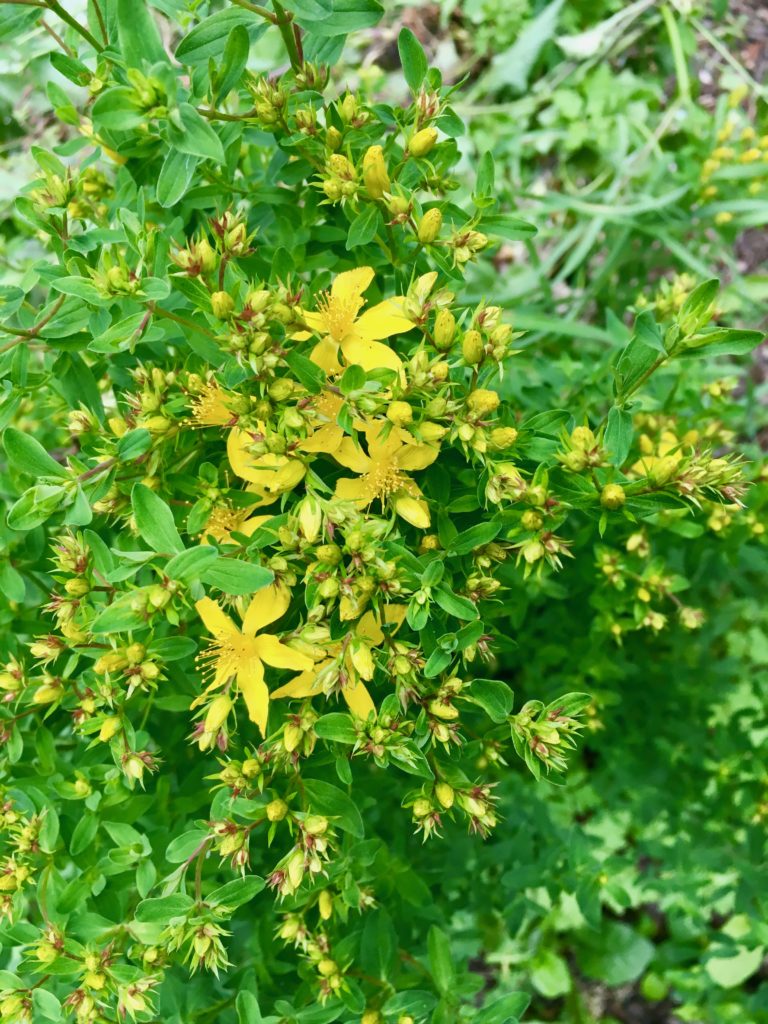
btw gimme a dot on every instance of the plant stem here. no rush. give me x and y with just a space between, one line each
100 19
181 320
261 11
291 39
55 6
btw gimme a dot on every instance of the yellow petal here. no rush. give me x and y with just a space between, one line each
317 321
417 456
302 685
352 283
371 355
271 474
325 354
267 606
250 679
348 489
325 439
414 510
280 655
215 620
359 700
384 320
352 456
250 526
369 626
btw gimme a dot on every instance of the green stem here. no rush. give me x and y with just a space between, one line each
186 323
261 11
100 19
283 23
55 6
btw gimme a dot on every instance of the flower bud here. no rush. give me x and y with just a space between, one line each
445 330
222 305
612 496
375 173
481 402
277 810
472 348
109 728
503 437
429 226
445 794
333 138
325 905
400 413
217 713
422 142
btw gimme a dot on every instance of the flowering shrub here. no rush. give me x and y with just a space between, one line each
278 500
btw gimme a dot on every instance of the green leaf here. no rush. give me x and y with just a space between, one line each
175 177
507 225
335 17
84 834
618 435
194 135
730 971
233 576
26 455
189 565
441 960
237 892
507 1009
363 228
494 696
117 109
247 1006
46 1005
154 521
474 537
164 908
617 956
133 444
37 505
209 38
324 798
308 373
413 59
698 308
550 975
138 33
337 727
353 379
437 662
722 341
459 607
233 62
118 616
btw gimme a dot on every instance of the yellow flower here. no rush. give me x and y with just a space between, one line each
269 474
241 654
209 407
357 335
356 664
328 436
224 519
384 472
666 452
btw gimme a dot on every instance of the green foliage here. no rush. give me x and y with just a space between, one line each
319 567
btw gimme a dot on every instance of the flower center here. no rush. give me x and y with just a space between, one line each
209 409
340 313
385 478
